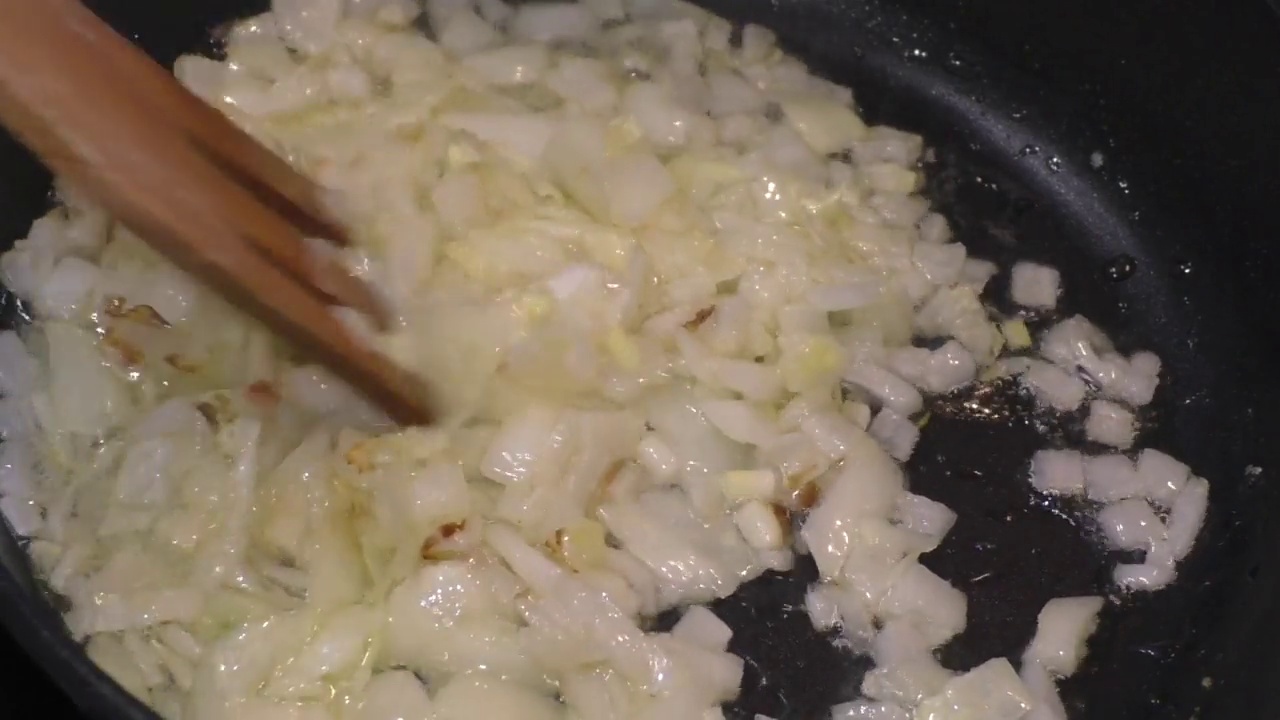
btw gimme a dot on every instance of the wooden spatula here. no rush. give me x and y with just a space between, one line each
183 177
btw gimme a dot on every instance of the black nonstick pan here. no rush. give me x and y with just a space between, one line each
1135 145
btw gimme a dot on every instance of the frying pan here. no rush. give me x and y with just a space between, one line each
1135 146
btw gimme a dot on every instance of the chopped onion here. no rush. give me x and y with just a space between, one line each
522 136
846 296
68 289
1072 343
957 312
941 263
906 681
730 94
937 371
936 607
1016 335
483 695
868 710
868 486
1033 285
85 395
1059 472
910 363
1109 478
1186 516
889 389
465 32
831 433
636 185
934 228
754 381
657 457
739 421
135 610
1062 629
701 627
1054 386
665 122
394 695
742 485
557 21
759 525
1131 525
825 125
950 366
305 25
1138 385
584 81
1162 476
497 12
18 370
897 434
1045 702
1110 424
1148 575
977 272
23 515
821 605
927 517
991 691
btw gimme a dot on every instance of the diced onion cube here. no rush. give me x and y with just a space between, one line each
1016 335
656 457
820 603
1110 424
1033 285
1131 525
991 691
1187 516
1162 476
1054 386
760 526
1062 629
742 485
888 388
1111 477
895 433
1154 573
869 710
703 628
1059 472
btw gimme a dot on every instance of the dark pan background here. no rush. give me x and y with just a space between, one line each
1182 99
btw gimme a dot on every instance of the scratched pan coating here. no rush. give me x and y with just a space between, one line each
1129 144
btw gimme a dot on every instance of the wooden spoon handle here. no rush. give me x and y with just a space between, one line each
64 100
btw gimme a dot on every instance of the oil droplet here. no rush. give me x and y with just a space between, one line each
1054 164
1120 268
959 65
987 183
1028 150
1185 267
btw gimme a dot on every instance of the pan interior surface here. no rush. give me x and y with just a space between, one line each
1042 150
